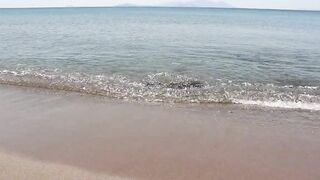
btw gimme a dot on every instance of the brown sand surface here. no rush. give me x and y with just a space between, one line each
13 167
99 138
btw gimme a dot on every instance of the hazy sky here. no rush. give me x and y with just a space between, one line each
278 4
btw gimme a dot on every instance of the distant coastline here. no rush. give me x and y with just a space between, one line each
142 6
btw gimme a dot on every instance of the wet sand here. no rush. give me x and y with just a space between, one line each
100 138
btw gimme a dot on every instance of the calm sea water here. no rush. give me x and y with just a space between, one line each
182 55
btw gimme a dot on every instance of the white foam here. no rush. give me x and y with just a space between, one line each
280 104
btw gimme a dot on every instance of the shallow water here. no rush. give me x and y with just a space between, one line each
181 55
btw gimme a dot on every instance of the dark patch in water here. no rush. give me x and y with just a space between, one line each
179 85
186 84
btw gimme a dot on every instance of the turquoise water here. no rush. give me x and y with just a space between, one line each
181 55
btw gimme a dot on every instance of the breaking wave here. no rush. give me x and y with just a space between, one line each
166 87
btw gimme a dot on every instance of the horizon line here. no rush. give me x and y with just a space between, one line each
149 6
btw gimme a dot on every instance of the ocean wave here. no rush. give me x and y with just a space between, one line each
281 104
166 87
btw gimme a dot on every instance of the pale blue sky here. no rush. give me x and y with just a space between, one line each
274 4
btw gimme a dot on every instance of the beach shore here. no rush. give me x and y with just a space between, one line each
60 135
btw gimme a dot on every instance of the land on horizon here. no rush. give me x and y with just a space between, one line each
141 6
191 4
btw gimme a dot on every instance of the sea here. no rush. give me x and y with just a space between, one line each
169 55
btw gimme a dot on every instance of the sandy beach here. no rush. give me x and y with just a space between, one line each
14 167
60 135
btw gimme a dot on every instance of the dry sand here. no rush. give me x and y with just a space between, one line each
13 167
67 136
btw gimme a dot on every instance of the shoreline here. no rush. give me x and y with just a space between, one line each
146 141
277 105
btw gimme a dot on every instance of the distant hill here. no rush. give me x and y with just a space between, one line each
199 3
126 5
193 3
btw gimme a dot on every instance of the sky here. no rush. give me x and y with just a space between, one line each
265 4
